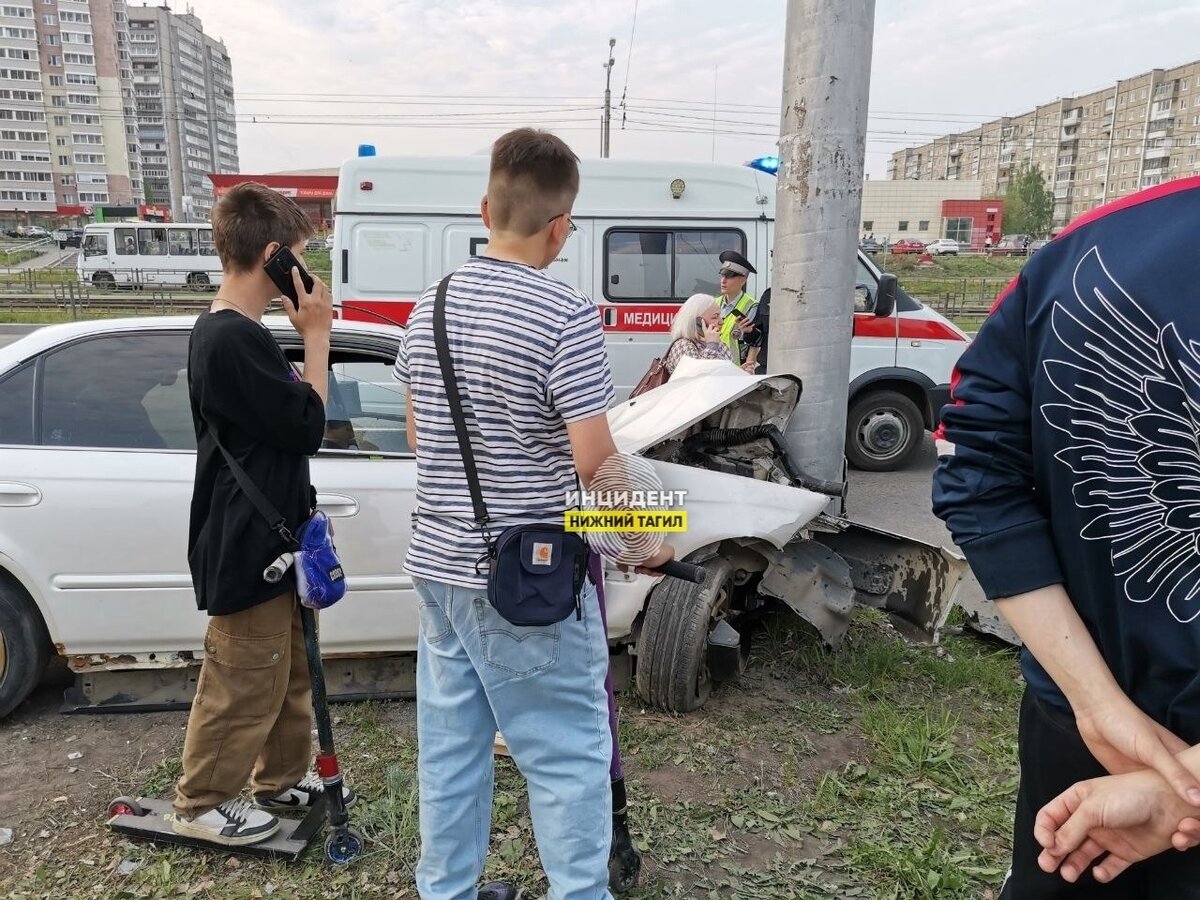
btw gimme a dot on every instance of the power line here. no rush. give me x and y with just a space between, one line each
628 62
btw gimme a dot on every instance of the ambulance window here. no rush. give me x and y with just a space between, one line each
665 264
696 260
638 265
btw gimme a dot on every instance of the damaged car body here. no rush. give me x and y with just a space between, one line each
122 611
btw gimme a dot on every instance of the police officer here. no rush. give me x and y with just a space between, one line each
738 309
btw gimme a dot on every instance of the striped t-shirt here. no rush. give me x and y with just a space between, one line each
529 357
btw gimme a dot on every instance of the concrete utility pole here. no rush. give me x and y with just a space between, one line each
822 146
606 127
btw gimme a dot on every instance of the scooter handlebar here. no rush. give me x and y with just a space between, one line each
683 571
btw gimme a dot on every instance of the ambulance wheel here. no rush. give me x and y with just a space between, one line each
344 846
125 806
672 650
883 429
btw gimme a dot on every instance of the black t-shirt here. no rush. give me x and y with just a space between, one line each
241 384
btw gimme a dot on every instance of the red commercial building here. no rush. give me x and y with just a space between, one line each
312 189
971 221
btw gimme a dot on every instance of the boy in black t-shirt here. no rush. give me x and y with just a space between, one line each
251 717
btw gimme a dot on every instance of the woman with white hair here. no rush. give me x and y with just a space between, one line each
696 333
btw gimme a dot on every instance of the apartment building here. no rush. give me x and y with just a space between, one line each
1137 133
68 132
107 106
183 86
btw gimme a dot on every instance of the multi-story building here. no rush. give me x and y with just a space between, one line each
68 133
1139 132
183 82
102 106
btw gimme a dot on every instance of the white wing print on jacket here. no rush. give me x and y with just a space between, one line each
1129 401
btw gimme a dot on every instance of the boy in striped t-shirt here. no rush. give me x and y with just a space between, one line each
529 358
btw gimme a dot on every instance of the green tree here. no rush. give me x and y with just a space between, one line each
1028 205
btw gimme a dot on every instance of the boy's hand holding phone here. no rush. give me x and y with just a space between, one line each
312 316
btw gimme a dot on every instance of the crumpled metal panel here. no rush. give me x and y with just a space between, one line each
815 583
915 582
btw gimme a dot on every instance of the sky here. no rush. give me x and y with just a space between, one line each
701 79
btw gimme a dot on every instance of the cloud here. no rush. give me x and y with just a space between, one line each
398 73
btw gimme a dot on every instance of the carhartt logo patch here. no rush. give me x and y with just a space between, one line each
543 554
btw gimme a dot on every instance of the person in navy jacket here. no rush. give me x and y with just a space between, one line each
1071 481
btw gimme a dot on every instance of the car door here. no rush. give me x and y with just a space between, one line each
94 503
874 343
365 476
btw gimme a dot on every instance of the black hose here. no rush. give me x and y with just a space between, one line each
722 438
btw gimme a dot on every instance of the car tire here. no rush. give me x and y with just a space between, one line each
198 281
883 430
104 280
672 666
24 645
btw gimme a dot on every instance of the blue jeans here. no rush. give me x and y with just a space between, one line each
543 688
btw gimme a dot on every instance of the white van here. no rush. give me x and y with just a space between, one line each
149 253
649 234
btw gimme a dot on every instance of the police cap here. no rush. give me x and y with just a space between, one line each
733 263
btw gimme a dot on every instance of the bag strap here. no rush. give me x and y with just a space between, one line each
275 520
441 343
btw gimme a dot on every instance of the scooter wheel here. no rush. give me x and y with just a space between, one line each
125 806
344 846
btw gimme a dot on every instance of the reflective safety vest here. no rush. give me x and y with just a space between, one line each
744 304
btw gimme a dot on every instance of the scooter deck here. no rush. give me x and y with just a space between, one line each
293 836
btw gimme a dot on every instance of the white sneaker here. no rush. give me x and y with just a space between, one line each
303 796
234 823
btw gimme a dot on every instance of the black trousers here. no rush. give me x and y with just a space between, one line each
1054 757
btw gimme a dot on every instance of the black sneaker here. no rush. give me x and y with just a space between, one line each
498 890
234 823
303 796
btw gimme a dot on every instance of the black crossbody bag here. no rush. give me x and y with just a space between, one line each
535 572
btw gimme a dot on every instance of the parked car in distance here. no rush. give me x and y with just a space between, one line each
33 232
68 237
1012 245
315 243
908 245
943 247
869 245
1038 245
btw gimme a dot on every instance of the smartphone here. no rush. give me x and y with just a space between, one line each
700 324
279 269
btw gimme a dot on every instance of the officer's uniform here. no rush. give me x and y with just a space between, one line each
745 305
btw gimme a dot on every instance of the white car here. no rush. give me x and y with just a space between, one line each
97 458
942 247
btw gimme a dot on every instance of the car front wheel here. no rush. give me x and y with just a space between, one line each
673 671
24 646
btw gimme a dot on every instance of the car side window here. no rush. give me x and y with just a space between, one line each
118 391
366 408
16 406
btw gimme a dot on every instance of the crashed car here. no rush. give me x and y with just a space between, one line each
97 458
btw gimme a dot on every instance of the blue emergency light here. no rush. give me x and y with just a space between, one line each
366 149
768 164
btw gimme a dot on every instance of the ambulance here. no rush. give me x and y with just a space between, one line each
647 237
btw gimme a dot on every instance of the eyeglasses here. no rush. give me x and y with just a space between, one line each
571 226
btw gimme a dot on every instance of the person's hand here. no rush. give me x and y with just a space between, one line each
1130 817
711 333
1125 739
750 366
665 554
314 318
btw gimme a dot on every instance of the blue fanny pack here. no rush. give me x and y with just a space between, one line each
535 572
320 578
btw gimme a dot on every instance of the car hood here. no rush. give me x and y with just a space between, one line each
700 388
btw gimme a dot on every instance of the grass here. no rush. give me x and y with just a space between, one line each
881 770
